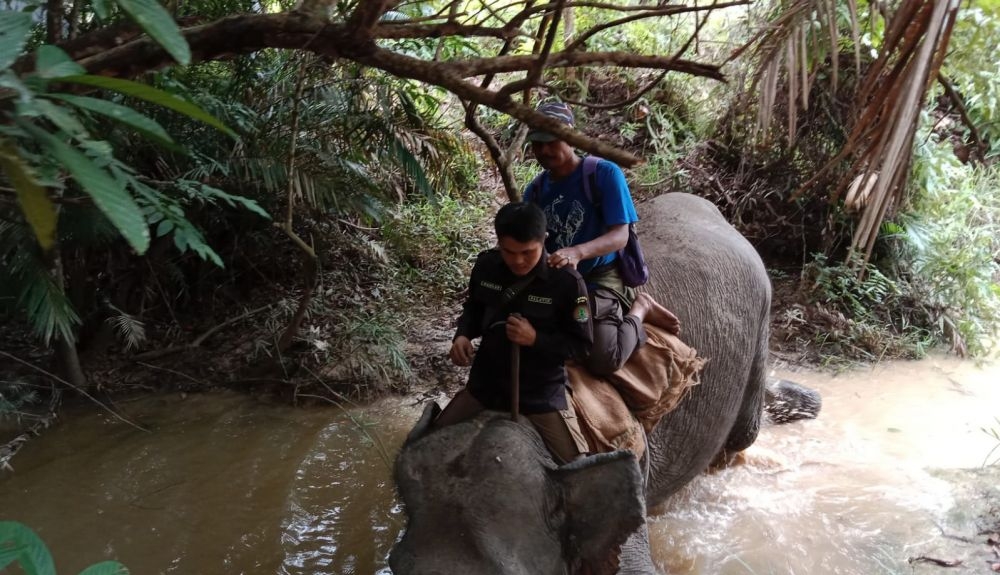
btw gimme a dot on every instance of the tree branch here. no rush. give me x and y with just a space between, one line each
439 75
398 31
367 15
648 13
158 353
78 389
538 66
124 52
479 66
956 99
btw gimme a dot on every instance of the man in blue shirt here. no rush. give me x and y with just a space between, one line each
587 237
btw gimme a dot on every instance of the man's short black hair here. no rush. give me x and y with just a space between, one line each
523 221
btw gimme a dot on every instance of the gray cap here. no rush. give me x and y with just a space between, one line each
558 110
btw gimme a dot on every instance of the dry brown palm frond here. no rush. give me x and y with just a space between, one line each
886 104
792 48
889 101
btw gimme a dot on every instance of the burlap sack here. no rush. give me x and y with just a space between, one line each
650 384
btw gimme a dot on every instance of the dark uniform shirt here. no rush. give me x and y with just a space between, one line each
554 302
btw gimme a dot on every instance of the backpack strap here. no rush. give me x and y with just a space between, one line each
590 187
535 187
508 295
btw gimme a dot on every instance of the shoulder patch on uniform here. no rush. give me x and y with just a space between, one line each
581 312
582 299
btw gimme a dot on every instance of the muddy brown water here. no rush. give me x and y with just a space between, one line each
225 484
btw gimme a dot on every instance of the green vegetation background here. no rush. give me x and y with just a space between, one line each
282 221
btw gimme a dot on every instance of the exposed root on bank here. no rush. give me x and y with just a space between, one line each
9 450
78 389
158 353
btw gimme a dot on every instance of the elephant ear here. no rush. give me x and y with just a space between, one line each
431 411
604 503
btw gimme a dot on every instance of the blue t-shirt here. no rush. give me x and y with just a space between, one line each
573 219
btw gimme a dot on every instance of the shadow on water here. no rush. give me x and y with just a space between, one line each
226 484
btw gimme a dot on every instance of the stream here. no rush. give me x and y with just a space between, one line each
224 483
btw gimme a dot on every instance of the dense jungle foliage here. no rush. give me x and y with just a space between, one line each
299 210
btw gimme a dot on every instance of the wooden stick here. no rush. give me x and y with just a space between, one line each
515 379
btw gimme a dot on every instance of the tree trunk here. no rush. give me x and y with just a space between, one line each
310 271
54 21
66 355
311 263
74 19
569 30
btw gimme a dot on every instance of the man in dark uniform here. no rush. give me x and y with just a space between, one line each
515 297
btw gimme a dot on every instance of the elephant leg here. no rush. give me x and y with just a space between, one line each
634 558
747 426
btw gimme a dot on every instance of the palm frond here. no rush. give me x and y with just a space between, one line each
889 102
796 43
129 328
400 155
48 309
376 249
25 276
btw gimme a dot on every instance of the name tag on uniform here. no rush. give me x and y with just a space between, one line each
540 299
491 285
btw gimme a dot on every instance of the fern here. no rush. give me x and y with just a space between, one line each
25 278
130 329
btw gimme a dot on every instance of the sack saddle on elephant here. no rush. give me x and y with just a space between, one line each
617 411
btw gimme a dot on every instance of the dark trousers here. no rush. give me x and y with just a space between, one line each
616 334
559 429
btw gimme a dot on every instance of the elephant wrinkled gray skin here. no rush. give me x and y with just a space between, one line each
484 496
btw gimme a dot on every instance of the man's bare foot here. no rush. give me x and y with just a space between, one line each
649 310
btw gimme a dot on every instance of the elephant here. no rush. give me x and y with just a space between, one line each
485 497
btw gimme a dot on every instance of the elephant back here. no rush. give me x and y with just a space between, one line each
712 278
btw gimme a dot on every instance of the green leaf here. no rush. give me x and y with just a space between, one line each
186 237
106 568
14 30
164 228
150 94
8 79
139 122
98 150
25 275
8 555
160 25
33 557
52 62
61 117
35 203
109 194
102 8
196 188
410 165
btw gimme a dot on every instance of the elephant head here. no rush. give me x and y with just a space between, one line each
485 497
